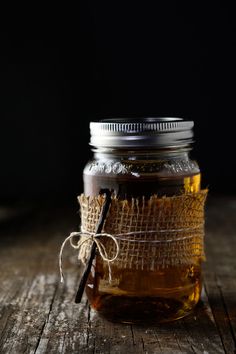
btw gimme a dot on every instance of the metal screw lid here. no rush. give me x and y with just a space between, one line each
159 132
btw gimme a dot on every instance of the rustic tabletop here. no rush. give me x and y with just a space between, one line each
38 313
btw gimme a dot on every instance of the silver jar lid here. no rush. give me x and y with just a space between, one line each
160 132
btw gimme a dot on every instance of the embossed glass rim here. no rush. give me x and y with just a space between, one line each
124 168
141 132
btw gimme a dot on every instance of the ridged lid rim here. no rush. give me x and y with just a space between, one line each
169 125
141 132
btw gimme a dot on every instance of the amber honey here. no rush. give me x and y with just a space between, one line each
141 296
150 296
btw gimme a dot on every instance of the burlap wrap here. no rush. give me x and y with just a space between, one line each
171 229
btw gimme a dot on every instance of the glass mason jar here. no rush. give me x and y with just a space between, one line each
136 158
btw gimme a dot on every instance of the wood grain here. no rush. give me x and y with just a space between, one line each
38 314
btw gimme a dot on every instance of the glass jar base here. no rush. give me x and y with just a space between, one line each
149 310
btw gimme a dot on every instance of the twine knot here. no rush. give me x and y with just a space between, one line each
84 244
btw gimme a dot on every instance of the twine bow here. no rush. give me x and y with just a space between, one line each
90 238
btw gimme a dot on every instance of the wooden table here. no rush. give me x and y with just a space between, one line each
38 313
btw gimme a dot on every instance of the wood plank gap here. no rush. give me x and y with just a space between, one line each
47 319
132 334
215 319
178 343
143 344
193 347
88 329
158 341
226 310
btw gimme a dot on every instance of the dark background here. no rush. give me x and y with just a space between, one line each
62 67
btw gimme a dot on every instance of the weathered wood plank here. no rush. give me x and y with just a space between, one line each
25 321
220 313
28 281
220 269
38 314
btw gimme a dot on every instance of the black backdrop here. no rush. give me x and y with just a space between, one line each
62 67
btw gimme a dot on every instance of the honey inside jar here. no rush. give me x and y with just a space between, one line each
143 295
